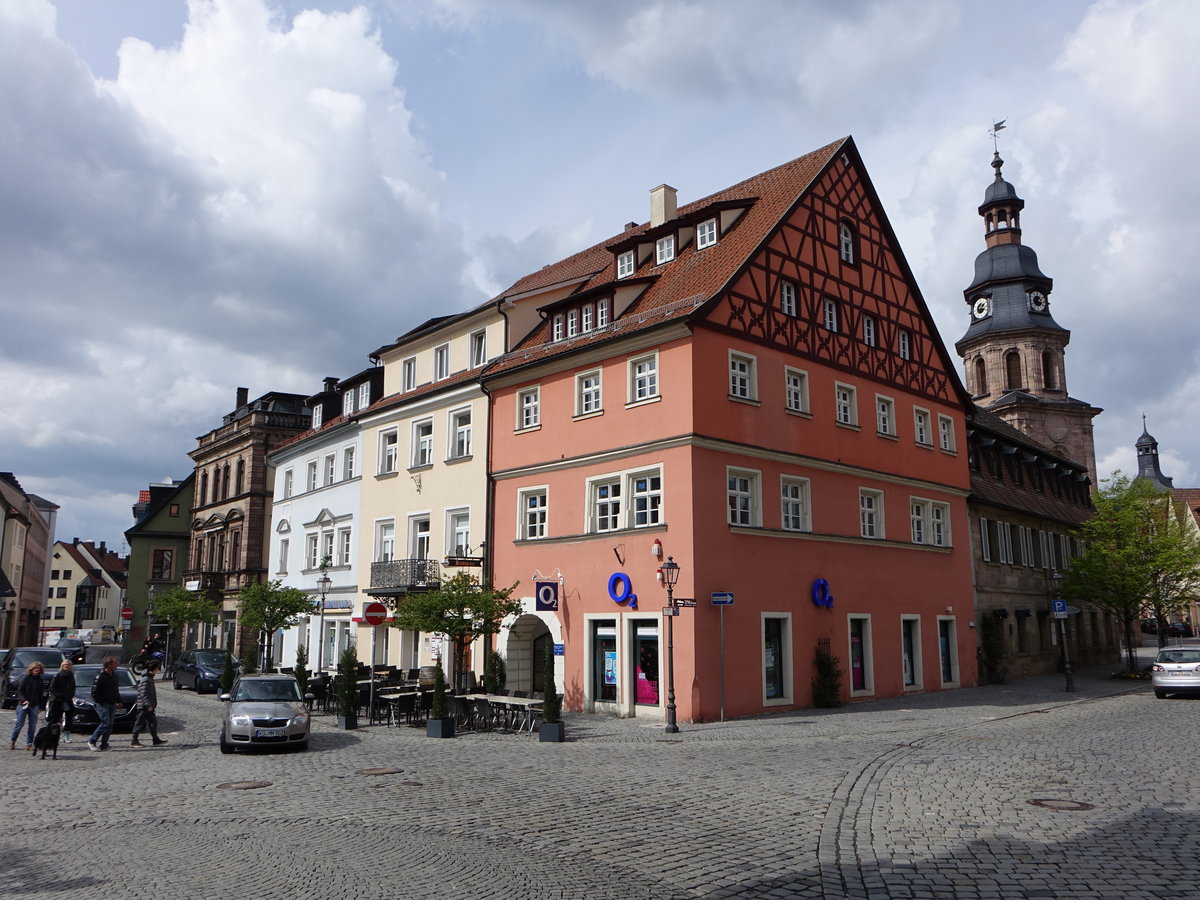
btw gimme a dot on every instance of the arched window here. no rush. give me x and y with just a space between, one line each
981 386
240 482
203 488
225 483
846 242
1049 380
1012 370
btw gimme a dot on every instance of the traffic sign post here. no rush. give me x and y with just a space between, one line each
722 599
126 613
374 614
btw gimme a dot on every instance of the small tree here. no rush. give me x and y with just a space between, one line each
463 609
177 606
268 607
827 683
250 660
495 674
437 708
347 687
227 671
551 704
302 668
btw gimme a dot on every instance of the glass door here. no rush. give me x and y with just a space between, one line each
645 665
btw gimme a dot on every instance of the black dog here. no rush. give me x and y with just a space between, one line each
47 739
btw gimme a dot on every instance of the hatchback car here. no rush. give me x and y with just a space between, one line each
1176 671
265 711
85 715
201 670
17 660
1179 629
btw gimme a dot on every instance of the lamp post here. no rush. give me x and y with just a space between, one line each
1057 578
323 584
670 575
8 609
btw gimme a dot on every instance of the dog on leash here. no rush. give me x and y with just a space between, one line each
47 739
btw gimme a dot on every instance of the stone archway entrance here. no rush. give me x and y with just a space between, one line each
524 653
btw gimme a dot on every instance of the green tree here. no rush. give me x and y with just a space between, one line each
268 607
463 608
227 671
177 606
347 682
1139 550
301 670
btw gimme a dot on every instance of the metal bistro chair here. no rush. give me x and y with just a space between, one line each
485 714
464 713
403 708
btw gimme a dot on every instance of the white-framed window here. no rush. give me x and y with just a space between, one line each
905 344
706 234
348 403
348 471
364 395
529 408
327 545
284 544
861 655
330 468
795 385
313 476
1025 541
885 415
664 249
625 266
643 378
602 311
846 242
985 540
312 550
556 327
587 393
1004 542
572 322
388 451
418 537
743 381
287 484
743 497
795 512
930 522
922 432
441 362
625 500
534 506
777 673
458 530
787 298
588 314
478 349
845 399
946 433
344 547
869 327
830 314
422 443
870 513
645 498
606 504
460 433
385 541
316 416
408 369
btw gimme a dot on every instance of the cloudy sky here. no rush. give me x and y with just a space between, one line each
200 195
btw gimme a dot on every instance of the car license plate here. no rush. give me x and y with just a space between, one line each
268 732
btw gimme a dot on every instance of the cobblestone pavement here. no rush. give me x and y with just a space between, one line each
1007 791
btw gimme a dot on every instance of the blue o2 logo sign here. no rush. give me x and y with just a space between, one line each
821 595
546 593
620 589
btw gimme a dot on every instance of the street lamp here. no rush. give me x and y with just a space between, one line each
323 584
1057 578
670 576
8 609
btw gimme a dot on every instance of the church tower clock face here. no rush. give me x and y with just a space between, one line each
981 308
1037 301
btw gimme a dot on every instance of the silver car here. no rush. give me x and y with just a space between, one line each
265 711
1176 671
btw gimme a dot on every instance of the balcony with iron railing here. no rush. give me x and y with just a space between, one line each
209 581
403 576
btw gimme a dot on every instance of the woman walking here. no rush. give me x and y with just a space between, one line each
29 704
62 698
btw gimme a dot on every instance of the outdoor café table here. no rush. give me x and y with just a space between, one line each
518 706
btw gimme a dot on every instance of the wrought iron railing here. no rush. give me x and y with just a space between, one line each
406 575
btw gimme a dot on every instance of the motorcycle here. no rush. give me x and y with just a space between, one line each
138 663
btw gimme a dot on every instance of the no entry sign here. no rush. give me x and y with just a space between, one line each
374 613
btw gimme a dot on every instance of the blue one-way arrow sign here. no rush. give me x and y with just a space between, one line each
722 598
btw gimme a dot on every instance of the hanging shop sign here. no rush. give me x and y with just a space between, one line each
620 589
546 596
821 595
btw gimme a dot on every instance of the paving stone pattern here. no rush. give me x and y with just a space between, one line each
919 797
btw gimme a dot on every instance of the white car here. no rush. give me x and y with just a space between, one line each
265 711
1176 671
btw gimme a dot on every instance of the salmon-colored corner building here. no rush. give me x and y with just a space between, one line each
751 385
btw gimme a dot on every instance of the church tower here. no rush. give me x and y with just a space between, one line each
1147 459
1013 351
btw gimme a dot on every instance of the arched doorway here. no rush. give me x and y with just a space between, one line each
524 653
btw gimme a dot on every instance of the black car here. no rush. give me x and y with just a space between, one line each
1179 629
85 716
73 649
201 670
17 660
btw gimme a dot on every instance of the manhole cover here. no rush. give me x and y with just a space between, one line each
380 771
243 785
1066 805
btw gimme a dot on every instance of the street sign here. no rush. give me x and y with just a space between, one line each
722 598
127 612
1072 610
1058 615
374 613
685 602
1058 605
670 610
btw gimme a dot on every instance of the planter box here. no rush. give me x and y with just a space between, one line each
347 723
439 728
552 733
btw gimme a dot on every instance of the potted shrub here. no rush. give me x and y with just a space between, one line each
440 723
551 729
227 673
494 673
301 670
827 683
347 689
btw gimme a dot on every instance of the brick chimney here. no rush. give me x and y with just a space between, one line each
663 205
243 397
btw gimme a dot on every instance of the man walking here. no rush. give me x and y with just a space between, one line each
147 702
107 697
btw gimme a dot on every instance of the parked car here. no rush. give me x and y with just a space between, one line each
1176 671
265 711
73 648
1179 629
86 717
201 670
14 664
1149 626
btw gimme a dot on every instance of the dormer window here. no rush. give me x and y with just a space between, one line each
665 249
601 313
409 376
441 362
588 314
316 416
706 234
364 395
846 242
348 403
625 265
572 323
556 328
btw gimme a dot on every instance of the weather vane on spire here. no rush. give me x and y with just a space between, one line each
996 128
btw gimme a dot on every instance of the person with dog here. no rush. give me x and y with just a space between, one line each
29 704
107 695
62 698
146 703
